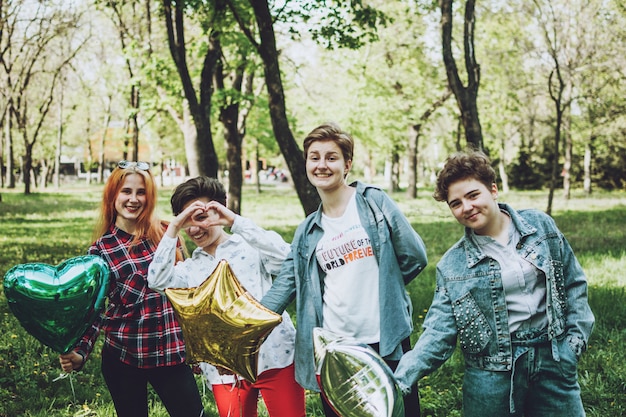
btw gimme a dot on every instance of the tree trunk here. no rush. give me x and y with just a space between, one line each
190 138
27 166
57 155
44 174
503 176
133 125
255 170
465 96
229 116
556 88
10 156
2 122
200 151
555 157
502 171
394 174
233 156
414 131
567 162
277 108
105 128
587 165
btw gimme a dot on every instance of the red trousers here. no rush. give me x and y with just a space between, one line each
282 395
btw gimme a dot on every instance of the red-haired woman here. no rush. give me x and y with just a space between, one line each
143 340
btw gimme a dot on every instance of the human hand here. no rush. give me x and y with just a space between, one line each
218 215
185 218
71 361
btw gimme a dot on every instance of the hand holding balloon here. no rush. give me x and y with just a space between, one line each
71 361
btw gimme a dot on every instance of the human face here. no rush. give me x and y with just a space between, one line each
474 205
326 167
130 202
205 236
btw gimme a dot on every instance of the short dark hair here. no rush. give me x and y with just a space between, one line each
195 188
463 165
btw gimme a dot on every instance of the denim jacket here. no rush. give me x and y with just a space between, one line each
401 256
469 302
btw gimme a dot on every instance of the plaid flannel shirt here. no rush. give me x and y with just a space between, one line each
139 323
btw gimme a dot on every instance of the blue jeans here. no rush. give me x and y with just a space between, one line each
538 386
128 385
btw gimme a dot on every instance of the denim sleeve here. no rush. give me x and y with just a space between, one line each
283 290
579 318
407 243
434 346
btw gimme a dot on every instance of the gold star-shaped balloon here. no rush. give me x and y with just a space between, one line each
222 323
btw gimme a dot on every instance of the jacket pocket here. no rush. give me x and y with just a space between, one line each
474 332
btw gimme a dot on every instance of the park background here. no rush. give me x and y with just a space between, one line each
229 88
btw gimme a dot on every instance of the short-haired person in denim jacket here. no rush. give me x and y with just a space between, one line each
513 295
349 263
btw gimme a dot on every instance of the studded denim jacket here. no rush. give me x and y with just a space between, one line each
401 256
469 304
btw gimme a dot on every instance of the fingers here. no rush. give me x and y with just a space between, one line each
222 216
70 361
185 218
201 214
67 367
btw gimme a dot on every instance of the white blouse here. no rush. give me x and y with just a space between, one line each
255 255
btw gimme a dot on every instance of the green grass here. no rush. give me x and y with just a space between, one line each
51 227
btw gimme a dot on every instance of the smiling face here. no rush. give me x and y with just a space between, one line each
130 202
326 167
204 236
474 205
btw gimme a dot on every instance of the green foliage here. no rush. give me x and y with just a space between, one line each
52 227
337 24
609 168
522 174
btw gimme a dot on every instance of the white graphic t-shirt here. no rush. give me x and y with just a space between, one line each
345 254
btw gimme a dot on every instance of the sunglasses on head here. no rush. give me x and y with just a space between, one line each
144 166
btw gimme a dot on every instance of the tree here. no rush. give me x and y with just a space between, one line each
266 48
414 133
132 21
600 89
200 150
565 38
40 46
466 96
7 28
234 107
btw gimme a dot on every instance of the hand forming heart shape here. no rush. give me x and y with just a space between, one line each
205 217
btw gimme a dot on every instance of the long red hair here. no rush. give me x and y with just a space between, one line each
148 224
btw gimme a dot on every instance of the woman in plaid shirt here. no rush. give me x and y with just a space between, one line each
143 340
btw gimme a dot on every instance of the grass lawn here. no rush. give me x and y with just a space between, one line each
50 227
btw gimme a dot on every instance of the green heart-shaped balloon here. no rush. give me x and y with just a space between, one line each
56 305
